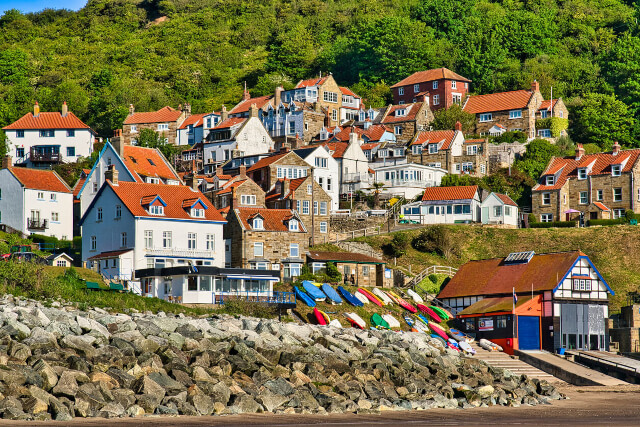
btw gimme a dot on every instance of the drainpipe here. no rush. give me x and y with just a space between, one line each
633 178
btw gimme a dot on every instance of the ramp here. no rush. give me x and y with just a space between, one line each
612 364
503 360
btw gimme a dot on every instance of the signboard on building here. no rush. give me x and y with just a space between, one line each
485 324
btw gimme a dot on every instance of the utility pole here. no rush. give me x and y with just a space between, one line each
313 209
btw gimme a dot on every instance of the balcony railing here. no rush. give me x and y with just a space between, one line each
38 156
356 177
177 252
37 224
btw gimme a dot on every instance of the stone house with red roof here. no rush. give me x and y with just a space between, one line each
547 110
442 86
497 113
407 119
41 139
284 164
599 186
326 95
35 201
166 122
238 191
446 205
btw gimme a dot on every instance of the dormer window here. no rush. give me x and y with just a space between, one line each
293 225
550 180
197 213
582 173
616 170
433 148
258 223
401 112
157 210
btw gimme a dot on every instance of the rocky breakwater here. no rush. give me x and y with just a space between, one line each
60 362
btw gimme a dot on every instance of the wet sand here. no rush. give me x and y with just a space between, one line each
592 406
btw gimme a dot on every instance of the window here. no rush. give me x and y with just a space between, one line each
486 117
321 162
305 207
19 134
546 217
191 241
549 180
483 168
166 239
248 199
638 194
134 128
99 214
315 208
546 198
95 187
20 152
581 285
456 98
433 148
416 149
501 322
294 250
334 114
618 213
401 91
71 151
71 133
617 194
400 102
330 96
306 126
323 208
118 211
497 211
148 239
123 239
454 84
156 210
46 134
616 170
94 243
600 193
54 217
293 225
258 223
416 88
163 126
258 249
197 213
561 114
434 85
436 99
61 263
40 195
515 114
582 173
328 184
397 130
507 211
543 114
472 150
584 197
211 240
323 227
309 188
292 128
467 167
52 197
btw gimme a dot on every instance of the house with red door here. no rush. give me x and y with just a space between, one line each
442 86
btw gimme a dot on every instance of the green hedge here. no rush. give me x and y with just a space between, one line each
607 221
555 124
558 224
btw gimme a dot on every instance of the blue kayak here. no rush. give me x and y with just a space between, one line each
331 293
313 291
409 321
300 294
351 299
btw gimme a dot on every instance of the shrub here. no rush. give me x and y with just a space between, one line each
532 219
398 246
249 309
332 273
436 239
554 224
617 221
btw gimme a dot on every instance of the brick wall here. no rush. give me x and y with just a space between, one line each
444 91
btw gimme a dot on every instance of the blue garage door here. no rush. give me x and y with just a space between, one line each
529 333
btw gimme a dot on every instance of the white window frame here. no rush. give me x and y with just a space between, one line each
584 197
192 241
123 239
323 208
416 88
163 126
323 227
258 249
248 199
167 239
257 223
600 195
515 114
434 85
472 150
617 194
94 243
436 99
211 242
309 189
486 117
305 207
454 84
293 225
433 148
616 170
550 180
582 173
156 210
99 215
148 239
400 91
546 199
397 130
546 217
197 213
294 250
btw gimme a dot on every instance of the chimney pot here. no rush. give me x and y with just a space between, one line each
36 109
131 109
535 86
458 126
616 148
579 151
224 115
253 110
65 109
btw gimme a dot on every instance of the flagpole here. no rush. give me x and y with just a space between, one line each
513 320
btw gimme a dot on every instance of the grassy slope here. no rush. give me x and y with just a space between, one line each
613 250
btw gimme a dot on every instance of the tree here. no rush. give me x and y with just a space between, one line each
377 189
445 119
536 159
602 119
150 138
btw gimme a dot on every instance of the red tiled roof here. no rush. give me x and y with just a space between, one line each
430 75
344 257
412 111
343 135
547 103
232 121
506 199
295 183
450 193
52 120
243 106
266 161
132 194
228 187
223 177
165 114
473 141
493 277
370 146
347 91
501 101
136 159
78 186
601 206
194 119
274 219
40 179
310 82
375 132
110 254
443 138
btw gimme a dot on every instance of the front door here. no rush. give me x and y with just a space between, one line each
485 215
528 333
593 215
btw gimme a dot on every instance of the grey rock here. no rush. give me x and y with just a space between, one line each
67 385
40 338
15 329
203 404
220 393
245 404
82 344
111 410
167 383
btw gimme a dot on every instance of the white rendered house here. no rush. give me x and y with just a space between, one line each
36 201
325 170
500 209
409 179
42 139
445 205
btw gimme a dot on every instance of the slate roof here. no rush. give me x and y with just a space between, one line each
450 193
501 101
40 179
47 120
165 114
430 75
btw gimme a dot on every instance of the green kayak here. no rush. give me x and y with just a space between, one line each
443 314
378 322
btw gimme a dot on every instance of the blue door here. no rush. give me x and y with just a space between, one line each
528 333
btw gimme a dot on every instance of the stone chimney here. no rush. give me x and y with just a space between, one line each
224 115
245 93
425 98
353 138
233 203
278 96
131 109
65 109
616 148
118 142
285 147
111 174
459 126
187 109
535 86
191 181
253 111
242 172
317 107
36 109
297 142
219 171
285 187
7 162
579 151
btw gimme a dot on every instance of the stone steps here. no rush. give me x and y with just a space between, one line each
503 360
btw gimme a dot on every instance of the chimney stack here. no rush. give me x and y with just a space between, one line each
253 110
535 86
65 109
245 93
233 203
36 110
118 142
7 162
191 181
285 187
278 96
219 171
285 147
459 126
111 174
223 114
579 151
353 137
187 109
616 148
131 109
242 172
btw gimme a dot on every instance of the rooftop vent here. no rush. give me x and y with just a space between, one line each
519 257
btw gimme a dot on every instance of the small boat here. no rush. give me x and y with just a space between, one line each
410 322
331 293
421 327
443 314
335 323
438 330
453 342
383 297
423 319
402 303
423 308
361 297
302 295
438 338
349 297
466 347
313 291
392 321
414 296
378 321
374 299
457 335
488 345
355 320
320 316
392 298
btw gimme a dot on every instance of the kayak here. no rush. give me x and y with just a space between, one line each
392 321
361 297
402 303
300 294
439 339
383 297
331 294
319 316
349 297
335 323
423 308
378 321
409 321
488 345
392 298
435 328
457 335
414 296
313 291
355 320
374 299
443 314
421 327
466 347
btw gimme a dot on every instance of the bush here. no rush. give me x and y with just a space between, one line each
617 221
554 224
532 219
436 239
398 246
332 273
249 309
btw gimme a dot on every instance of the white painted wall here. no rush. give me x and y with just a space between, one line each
491 202
326 177
252 138
439 214
12 209
408 179
353 163
582 268
82 142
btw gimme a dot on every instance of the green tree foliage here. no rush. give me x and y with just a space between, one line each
536 159
152 139
398 246
445 119
436 239
602 119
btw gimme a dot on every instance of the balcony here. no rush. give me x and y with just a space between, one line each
179 253
355 177
37 155
37 224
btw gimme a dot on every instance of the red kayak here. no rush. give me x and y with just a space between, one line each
371 297
319 317
423 308
439 331
402 303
